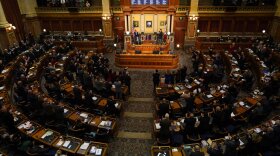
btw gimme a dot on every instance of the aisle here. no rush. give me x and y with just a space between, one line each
134 137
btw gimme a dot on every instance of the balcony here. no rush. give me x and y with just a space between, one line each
236 9
47 10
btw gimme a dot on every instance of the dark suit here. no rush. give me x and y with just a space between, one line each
163 108
164 132
197 153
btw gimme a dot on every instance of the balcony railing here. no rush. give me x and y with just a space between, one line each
244 9
117 9
66 9
182 9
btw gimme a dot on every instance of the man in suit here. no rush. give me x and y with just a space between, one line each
163 107
136 37
156 76
165 124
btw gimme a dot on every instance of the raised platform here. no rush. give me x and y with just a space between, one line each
147 48
147 61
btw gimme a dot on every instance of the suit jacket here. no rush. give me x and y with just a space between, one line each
197 154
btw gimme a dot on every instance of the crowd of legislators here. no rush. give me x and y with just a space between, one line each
28 44
65 3
214 120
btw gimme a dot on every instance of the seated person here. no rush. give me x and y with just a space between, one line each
197 151
214 150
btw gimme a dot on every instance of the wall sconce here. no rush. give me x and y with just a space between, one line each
168 33
106 17
178 46
44 30
193 18
115 45
100 30
263 31
198 31
127 33
11 27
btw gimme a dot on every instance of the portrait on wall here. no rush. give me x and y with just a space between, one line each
135 24
148 24
162 23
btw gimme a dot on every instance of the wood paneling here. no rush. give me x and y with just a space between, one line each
234 24
202 25
214 27
226 25
56 24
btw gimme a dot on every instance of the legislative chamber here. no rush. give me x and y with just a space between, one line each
140 77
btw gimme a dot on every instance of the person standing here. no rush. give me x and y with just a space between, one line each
156 79
118 88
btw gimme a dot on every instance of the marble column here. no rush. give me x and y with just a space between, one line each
31 21
106 19
156 23
191 34
4 31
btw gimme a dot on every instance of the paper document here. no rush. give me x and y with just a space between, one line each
241 143
209 96
98 151
66 143
84 115
232 114
93 150
84 146
60 142
158 126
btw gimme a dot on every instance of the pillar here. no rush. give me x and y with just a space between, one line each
107 19
6 35
191 32
30 19
275 27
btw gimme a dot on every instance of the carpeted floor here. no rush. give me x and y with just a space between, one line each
135 132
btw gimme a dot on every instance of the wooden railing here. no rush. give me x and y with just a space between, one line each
244 9
65 9
147 61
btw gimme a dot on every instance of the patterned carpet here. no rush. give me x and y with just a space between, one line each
135 132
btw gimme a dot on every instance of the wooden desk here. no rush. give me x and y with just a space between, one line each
147 61
156 150
41 136
73 146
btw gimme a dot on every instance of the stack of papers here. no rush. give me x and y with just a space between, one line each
209 96
66 143
98 151
84 115
94 98
48 133
158 126
241 103
174 150
60 142
84 146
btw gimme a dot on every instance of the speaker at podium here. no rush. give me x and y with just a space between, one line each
137 51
